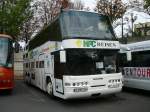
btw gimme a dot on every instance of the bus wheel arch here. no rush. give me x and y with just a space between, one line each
49 86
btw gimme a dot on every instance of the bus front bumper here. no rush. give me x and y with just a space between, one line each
6 84
91 93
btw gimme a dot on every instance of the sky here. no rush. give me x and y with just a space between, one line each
141 17
89 3
92 3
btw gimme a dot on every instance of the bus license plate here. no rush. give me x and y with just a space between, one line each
80 89
113 86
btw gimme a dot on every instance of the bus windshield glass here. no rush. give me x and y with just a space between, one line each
5 52
79 24
90 62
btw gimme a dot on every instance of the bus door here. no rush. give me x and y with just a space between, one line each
58 73
41 71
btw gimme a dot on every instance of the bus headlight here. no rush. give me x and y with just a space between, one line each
1 74
67 84
114 83
114 80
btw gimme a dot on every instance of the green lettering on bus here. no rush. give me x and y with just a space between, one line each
89 43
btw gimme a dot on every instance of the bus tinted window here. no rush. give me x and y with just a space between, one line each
75 24
59 68
55 33
6 56
36 64
26 65
90 62
141 59
32 64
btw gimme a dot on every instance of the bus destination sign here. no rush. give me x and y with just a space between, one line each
137 72
79 43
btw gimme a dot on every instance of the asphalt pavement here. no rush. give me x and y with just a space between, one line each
25 98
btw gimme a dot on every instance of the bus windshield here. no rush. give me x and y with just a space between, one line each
5 52
90 62
78 24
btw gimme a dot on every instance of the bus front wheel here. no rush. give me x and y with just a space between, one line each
50 88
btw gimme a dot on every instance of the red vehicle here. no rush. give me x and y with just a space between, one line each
6 62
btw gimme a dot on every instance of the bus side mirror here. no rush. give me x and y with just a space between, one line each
62 56
129 56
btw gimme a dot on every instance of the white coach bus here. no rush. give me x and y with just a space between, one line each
74 56
137 71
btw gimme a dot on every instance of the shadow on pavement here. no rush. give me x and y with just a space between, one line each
91 101
6 92
137 91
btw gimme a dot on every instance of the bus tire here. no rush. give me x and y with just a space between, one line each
49 88
9 91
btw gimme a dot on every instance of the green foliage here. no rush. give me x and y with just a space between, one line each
147 3
112 8
13 14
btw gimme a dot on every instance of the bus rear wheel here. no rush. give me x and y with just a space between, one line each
49 88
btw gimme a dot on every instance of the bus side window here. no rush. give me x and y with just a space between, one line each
55 31
27 55
36 64
32 64
24 56
48 64
39 64
26 65
42 64
122 60
141 59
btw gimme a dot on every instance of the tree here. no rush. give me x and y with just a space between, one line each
47 10
147 5
13 14
28 29
44 11
112 8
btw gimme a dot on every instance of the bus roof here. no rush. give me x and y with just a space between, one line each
5 36
139 46
45 32
81 11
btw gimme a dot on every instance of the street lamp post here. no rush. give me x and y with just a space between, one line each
133 18
132 23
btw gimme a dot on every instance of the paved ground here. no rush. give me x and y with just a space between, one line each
29 99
